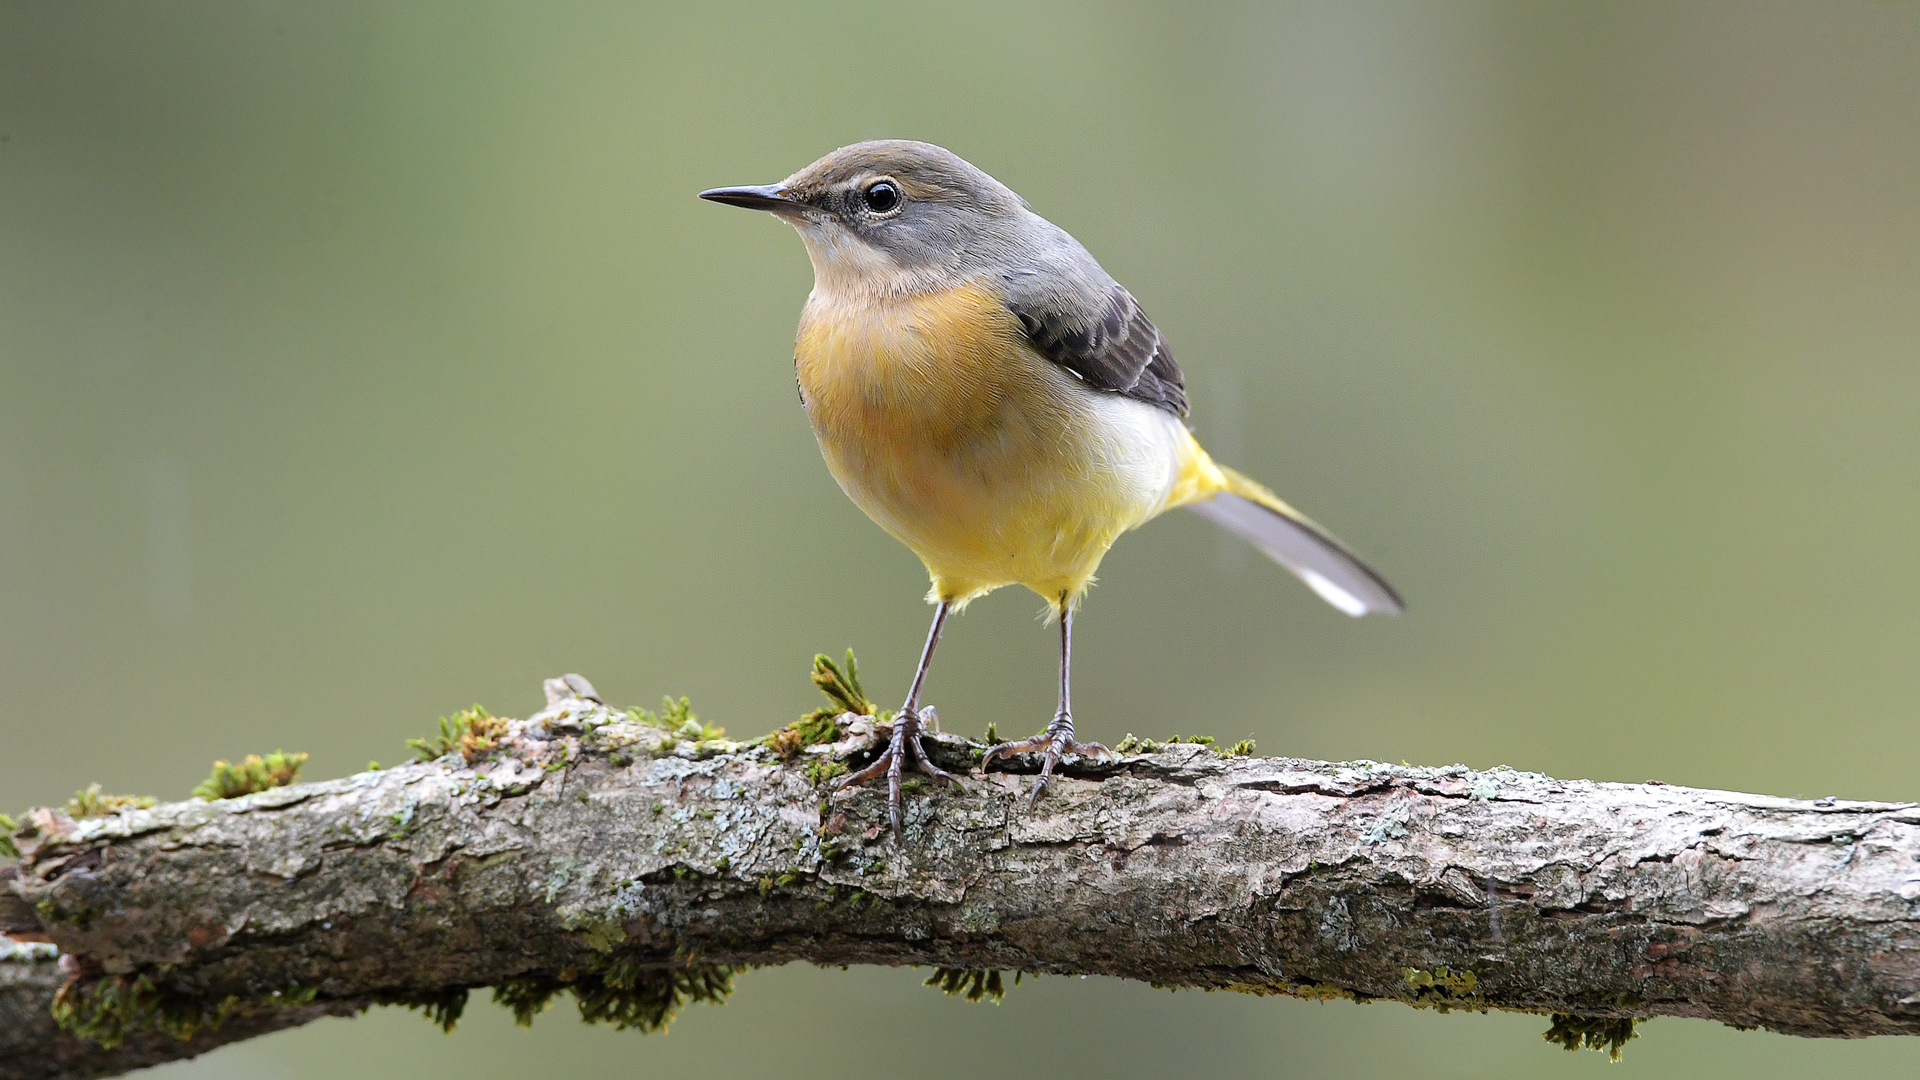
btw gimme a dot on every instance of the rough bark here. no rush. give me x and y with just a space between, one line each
589 843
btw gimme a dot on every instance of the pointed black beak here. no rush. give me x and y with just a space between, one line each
758 197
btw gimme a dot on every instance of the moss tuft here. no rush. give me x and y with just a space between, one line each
678 719
973 985
442 1007
253 773
1133 744
629 995
844 695
843 689
1322 992
1443 989
8 849
810 730
1454 984
1604 1033
471 732
91 803
105 1010
624 992
527 998
820 772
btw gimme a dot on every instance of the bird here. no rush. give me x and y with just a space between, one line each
995 400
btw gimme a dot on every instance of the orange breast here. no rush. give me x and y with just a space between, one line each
927 371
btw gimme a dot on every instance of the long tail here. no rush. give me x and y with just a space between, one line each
1250 511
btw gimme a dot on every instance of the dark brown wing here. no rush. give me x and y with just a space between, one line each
1117 349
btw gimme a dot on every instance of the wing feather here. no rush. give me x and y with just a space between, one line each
1112 346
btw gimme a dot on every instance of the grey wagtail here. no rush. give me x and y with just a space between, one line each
991 397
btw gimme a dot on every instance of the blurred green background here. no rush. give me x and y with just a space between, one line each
359 361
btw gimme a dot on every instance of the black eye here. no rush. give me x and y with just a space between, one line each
881 196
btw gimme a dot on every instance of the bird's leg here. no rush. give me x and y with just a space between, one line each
1057 741
907 729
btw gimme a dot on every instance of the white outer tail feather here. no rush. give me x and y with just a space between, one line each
1315 557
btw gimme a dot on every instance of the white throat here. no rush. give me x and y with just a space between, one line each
844 266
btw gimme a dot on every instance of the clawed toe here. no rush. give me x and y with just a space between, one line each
1055 745
1041 744
903 748
927 766
1008 749
872 772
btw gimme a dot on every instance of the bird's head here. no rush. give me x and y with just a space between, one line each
891 216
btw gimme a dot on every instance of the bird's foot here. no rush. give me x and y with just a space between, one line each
905 744
1056 742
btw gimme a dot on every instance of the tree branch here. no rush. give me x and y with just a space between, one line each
601 852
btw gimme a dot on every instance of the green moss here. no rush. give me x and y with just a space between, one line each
993 734
1604 1033
442 1007
91 803
471 732
253 773
843 690
527 998
7 847
624 992
1456 984
104 1011
1133 744
1443 989
973 985
844 695
646 998
678 719
820 772
1322 992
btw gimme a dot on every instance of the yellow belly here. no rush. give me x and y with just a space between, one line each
994 465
